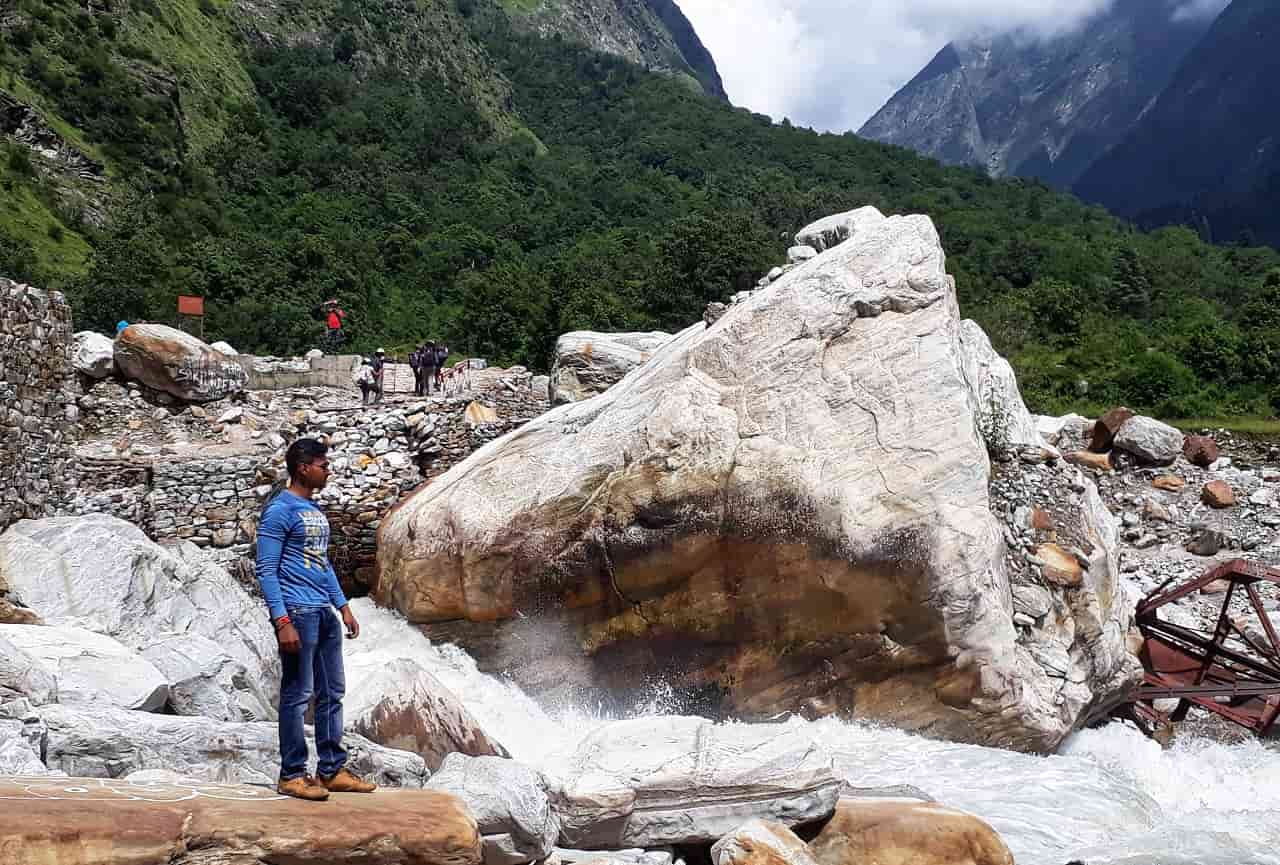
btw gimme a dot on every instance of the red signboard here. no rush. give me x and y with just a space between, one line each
188 305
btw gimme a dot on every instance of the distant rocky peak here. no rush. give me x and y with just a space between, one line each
1042 103
654 34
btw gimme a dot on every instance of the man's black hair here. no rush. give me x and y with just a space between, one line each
303 452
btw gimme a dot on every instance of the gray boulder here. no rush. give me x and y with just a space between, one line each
105 575
93 354
509 802
89 668
22 676
1150 441
650 782
113 743
801 254
833 230
17 756
589 363
201 675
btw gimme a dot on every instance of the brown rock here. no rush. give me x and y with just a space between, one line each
1201 451
53 824
896 832
1217 587
1153 510
400 705
479 413
1041 520
13 615
1106 427
1169 483
1090 460
1060 567
176 363
761 842
1218 494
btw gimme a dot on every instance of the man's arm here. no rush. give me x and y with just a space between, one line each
271 538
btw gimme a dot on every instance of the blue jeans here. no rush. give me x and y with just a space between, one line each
316 669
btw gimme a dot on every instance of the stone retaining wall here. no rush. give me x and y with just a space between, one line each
378 455
38 414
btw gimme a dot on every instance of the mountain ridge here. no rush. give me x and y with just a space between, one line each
1015 104
1208 151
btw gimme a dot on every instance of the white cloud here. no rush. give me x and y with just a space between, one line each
832 63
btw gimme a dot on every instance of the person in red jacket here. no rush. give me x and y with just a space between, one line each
336 314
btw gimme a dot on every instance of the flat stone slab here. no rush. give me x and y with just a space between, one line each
98 821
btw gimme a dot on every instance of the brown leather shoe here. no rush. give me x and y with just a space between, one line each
345 782
303 788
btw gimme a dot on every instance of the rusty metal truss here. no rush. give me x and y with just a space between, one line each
1233 671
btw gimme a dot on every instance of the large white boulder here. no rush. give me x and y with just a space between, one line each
787 511
103 574
17 756
89 668
1003 418
113 743
650 782
22 676
93 354
509 802
201 676
833 230
588 363
167 359
1149 440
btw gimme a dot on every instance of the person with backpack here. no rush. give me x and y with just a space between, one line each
301 590
364 379
379 367
441 353
428 353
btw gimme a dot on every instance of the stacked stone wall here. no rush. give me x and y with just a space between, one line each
378 455
38 414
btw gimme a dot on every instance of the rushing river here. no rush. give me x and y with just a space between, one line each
1112 797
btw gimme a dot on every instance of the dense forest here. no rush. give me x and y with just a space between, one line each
613 199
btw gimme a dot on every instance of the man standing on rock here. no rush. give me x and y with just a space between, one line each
300 586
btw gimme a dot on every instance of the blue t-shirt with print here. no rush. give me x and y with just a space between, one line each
293 556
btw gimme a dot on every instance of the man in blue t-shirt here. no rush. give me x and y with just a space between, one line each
300 586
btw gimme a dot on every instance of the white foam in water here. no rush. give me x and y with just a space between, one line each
1112 797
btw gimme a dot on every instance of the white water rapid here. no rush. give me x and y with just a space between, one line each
1112 797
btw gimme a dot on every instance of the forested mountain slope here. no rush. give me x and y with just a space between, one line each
531 186
1208 151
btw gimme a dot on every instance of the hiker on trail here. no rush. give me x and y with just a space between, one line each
422 361
430 366
364 378
441 352
300 587
334 316
379 365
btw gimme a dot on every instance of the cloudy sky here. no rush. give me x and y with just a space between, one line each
831 64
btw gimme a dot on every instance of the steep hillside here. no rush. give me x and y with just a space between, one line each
1047 108
526 186
654 34
1208 151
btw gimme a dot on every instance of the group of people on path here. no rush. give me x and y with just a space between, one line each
427 363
